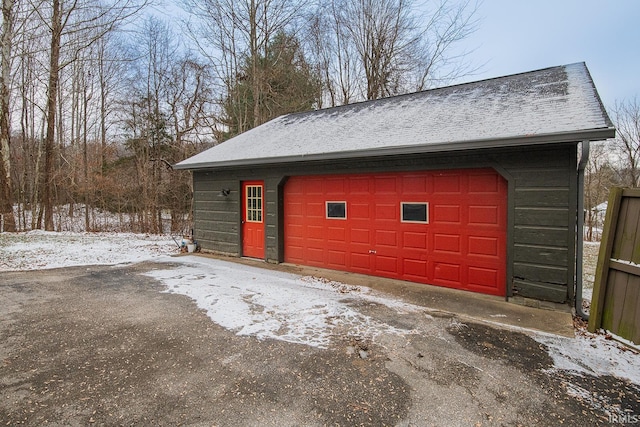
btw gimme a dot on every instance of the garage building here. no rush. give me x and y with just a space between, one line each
474 186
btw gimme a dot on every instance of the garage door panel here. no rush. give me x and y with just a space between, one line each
446 272
359 211
386 211
414 184
296 188
462 243
415 240
336 259
294 230
387 238
484 183
447 184
315 255
414 268
485 277
296 208
485 215
386 264
315 232
449 214
447 243
485 246
295 253
335 186
336 234
385 184
313 185
360 185
359 235
315 210
361 261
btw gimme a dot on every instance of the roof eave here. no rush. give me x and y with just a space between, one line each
598 134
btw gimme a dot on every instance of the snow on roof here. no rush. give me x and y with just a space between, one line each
555 104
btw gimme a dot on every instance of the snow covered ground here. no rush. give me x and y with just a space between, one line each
269 304
272 304
38 249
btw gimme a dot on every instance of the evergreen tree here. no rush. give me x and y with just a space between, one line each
287 84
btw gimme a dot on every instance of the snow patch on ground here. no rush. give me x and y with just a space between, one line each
592 354
35 250
271 304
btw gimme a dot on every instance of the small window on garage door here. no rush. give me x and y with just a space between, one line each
336 210
414 212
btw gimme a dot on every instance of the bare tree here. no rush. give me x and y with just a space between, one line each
626 117
189 100
600 176
6 38
334 55
66 18
388 47
110 66
385 37
229 32
146 119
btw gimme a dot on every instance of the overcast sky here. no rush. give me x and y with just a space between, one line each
515 36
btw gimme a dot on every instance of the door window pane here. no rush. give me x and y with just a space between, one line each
254 203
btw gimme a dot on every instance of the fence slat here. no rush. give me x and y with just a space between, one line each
616 293
604 257
627 327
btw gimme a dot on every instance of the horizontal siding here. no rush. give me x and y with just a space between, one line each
216 220
541 177
552 256
544 222
544 273
542 197
538 290
541 216
541 236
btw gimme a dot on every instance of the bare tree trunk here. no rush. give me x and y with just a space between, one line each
102 78
6 199
52 91
85 160
253 43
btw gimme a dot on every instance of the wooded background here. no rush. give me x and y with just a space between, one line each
99 98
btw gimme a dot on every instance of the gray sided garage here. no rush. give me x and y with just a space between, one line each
474 187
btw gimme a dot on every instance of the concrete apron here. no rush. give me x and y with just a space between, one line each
470 306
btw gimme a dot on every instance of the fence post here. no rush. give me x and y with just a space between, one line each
604 259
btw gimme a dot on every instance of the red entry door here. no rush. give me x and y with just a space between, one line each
253 219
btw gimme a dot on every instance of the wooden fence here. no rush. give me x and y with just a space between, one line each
616 293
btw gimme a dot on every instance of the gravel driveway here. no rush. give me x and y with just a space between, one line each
106 346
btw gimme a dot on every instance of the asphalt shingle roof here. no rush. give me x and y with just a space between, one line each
557 104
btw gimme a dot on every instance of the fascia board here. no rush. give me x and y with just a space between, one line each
585 135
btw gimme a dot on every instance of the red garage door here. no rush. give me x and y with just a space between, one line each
445 228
